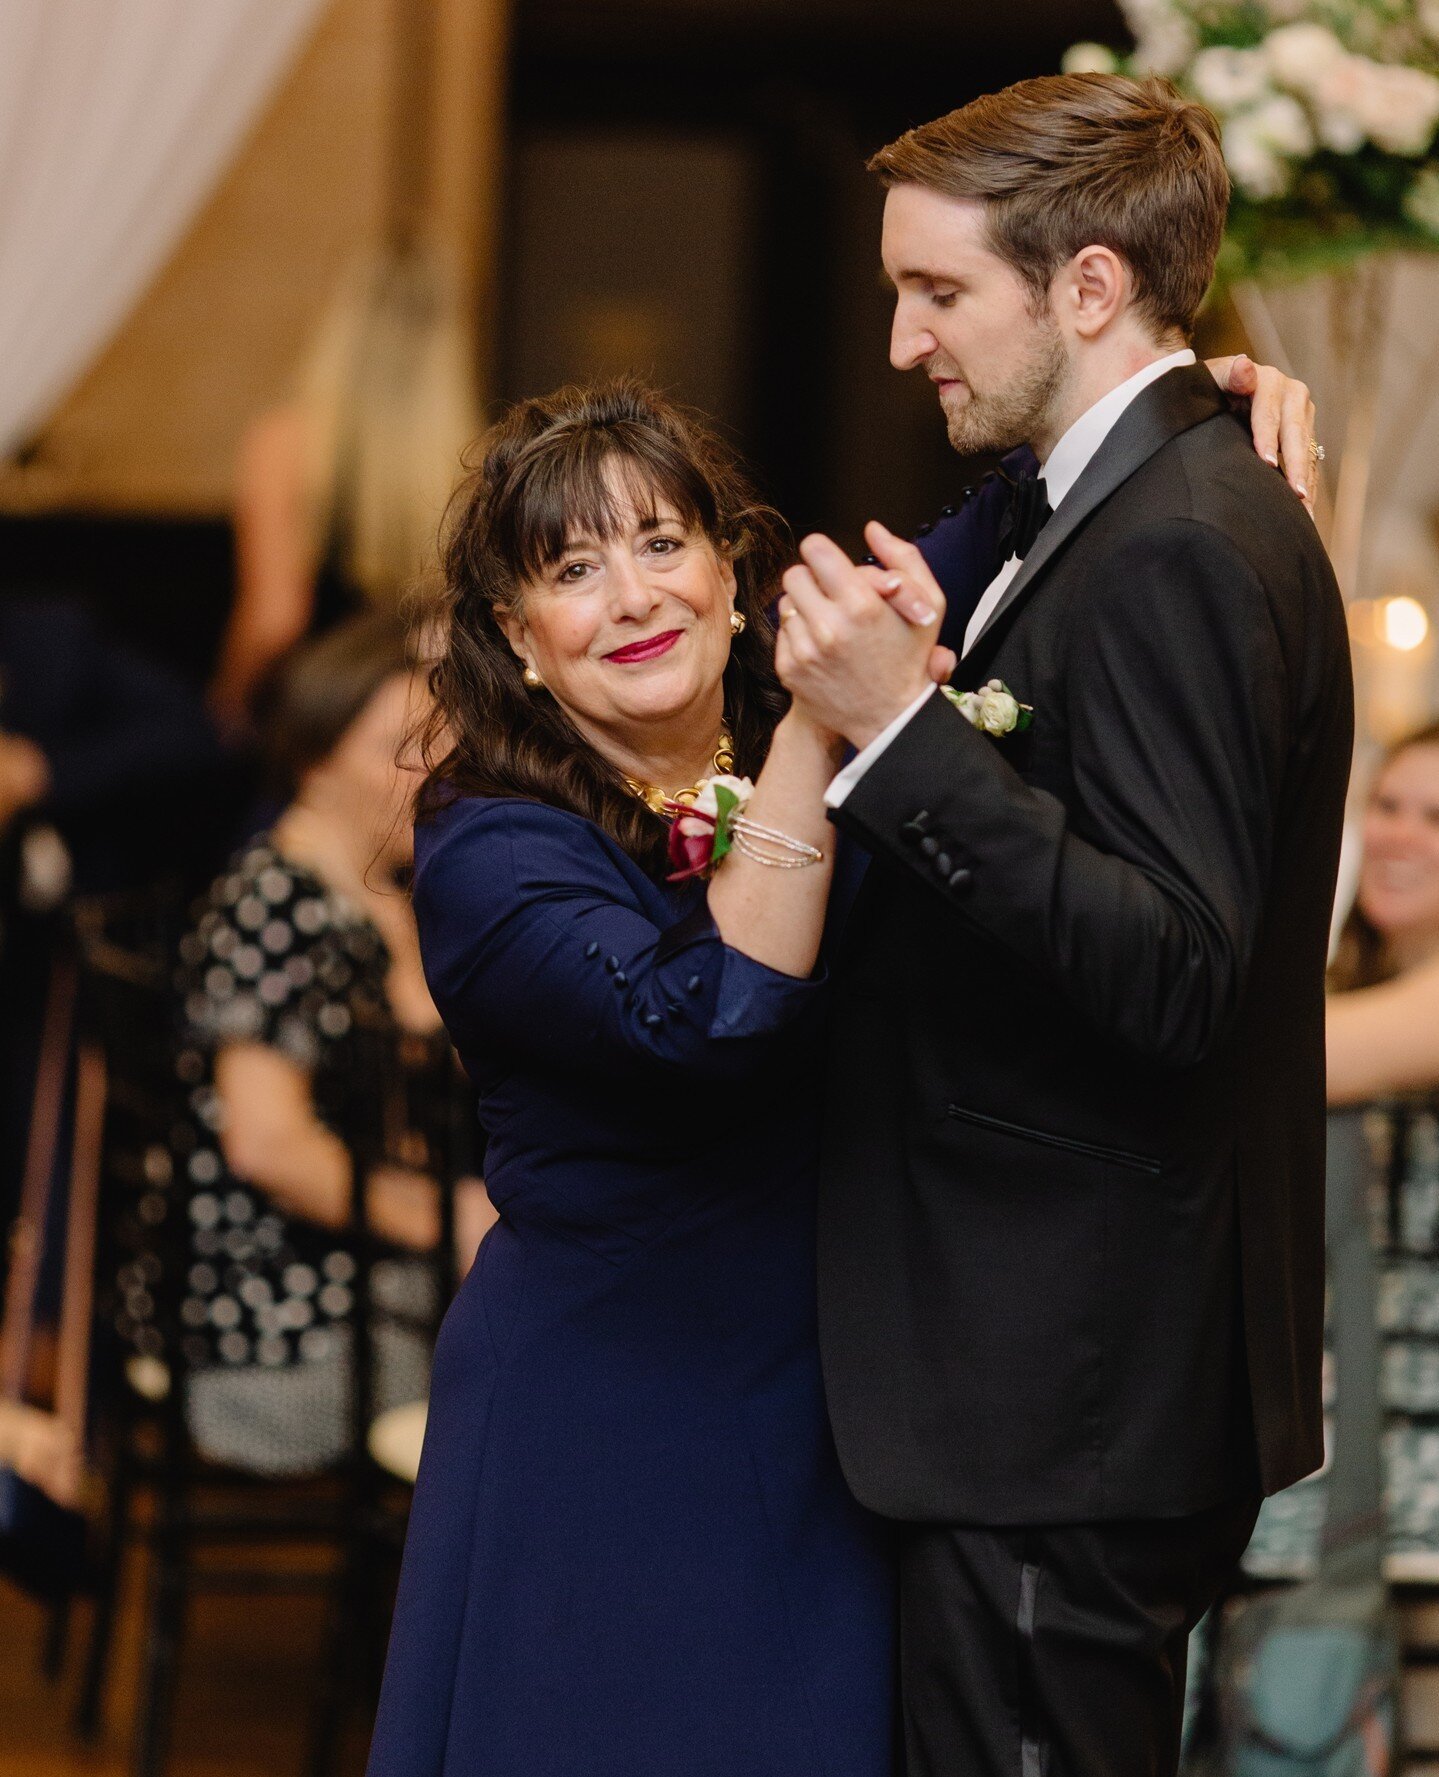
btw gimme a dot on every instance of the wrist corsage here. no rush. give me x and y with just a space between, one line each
993 709
707 828
701 831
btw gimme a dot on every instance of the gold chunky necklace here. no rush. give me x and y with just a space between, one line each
659 800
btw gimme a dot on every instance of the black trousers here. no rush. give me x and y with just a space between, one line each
1057 1651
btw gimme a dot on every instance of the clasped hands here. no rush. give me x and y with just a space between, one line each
857 644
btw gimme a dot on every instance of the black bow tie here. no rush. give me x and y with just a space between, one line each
1028 510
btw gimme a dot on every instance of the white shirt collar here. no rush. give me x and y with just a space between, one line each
1070 457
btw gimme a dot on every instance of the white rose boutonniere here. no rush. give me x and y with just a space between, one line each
993 709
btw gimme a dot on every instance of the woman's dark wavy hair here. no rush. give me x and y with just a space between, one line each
1361 957
546 472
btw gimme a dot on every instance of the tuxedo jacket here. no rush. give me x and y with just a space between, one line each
1071 1242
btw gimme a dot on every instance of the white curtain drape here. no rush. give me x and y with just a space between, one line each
117 118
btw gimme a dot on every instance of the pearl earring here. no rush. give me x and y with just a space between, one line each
737 622
533 681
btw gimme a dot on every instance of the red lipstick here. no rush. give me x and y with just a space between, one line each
649 649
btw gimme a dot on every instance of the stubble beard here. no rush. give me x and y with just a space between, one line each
1018 412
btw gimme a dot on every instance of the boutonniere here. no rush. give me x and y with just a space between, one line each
702 830
993 709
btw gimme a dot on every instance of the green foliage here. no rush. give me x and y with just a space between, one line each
1339 209
726 802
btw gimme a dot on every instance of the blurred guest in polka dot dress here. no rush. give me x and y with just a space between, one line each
308 927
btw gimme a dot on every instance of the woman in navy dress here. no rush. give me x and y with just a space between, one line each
631 1552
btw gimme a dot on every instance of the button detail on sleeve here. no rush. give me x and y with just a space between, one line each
961 879
694 984
592 949
621 978
612 963
929 845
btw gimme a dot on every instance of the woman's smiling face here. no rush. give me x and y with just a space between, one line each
1399 879
631 632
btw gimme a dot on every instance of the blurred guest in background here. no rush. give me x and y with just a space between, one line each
1383 1021
108 764
306 933
24 776
339 491
96 741
1382 1041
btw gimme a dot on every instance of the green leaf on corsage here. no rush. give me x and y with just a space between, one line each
726 802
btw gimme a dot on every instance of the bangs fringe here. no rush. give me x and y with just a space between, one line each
595 482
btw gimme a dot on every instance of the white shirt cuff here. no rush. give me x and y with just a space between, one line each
861 762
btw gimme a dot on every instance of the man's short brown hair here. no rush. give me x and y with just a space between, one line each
1078 160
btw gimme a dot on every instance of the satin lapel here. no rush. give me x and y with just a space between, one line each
1178 400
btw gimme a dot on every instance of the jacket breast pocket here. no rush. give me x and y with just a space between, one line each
1064 1144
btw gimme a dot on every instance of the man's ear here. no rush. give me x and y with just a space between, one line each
1097 286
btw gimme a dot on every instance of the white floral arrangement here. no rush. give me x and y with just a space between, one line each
1329 111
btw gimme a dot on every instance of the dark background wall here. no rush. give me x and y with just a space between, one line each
688 200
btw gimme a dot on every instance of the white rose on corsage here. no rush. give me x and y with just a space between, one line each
993 709
708 799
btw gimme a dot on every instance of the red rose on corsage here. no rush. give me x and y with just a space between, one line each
700 830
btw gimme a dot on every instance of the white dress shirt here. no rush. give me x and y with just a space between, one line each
1063 467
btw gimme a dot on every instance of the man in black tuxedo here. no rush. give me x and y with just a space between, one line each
1072 1235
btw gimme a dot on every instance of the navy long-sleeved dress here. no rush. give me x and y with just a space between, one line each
631 1552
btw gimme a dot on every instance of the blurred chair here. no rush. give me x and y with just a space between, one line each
421 1115
1396 1131
208 1527
45 1340
196 1509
